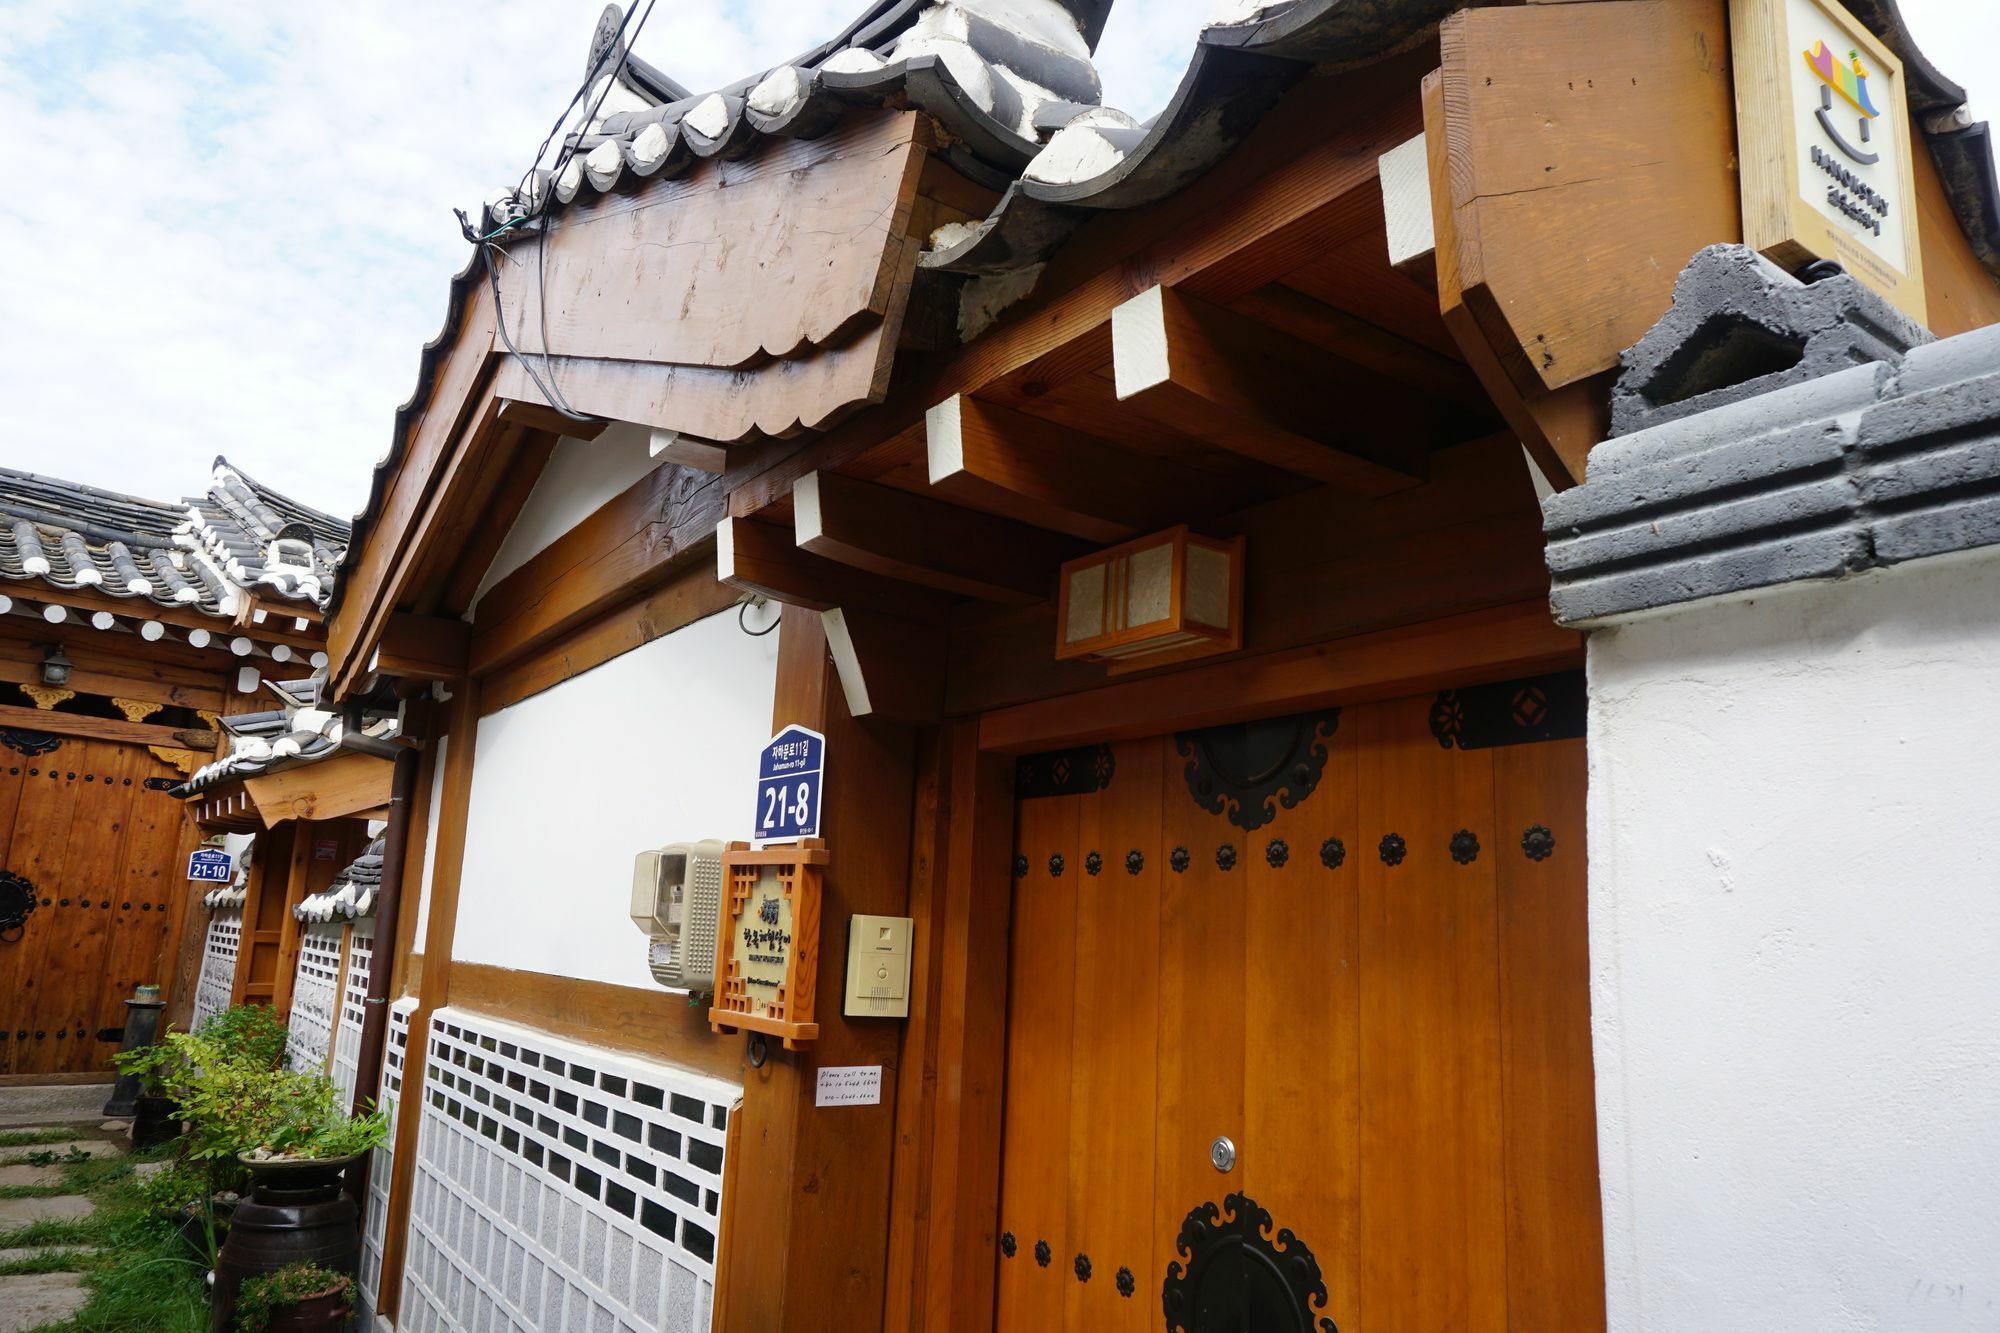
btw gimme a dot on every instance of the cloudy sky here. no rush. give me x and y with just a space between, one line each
230 226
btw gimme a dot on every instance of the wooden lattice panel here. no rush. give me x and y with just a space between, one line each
768 967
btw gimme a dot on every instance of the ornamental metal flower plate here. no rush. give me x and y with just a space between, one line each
1393 849
1237 1272
17 900
1538 843
1333 853
29 743
1247 770
1465 847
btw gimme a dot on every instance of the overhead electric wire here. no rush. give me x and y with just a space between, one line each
540 214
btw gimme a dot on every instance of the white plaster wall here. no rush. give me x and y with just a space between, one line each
657 746
581 475
1795 939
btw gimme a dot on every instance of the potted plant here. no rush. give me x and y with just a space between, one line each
299 1298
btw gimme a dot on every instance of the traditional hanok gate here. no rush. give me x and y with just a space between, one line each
89 834
1324 973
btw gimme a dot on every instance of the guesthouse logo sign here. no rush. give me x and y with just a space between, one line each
1824 145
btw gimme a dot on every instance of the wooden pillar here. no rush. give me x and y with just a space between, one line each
298 873
806 1227
947 1177
434 992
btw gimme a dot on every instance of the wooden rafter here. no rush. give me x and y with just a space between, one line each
764 558
1255 391
106 729
917 539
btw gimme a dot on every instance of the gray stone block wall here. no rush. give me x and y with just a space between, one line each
1876 445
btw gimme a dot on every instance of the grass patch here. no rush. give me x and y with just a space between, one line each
143 1278
29 1138
53 1231
32 1191
51 1261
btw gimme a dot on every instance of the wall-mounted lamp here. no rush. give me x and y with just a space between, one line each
1164 598
55 667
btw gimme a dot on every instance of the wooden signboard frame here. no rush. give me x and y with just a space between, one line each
1778 220
788 1010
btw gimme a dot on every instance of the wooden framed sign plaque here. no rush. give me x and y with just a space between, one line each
1824 142
769 946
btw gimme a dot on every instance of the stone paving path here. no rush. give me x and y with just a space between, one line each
34 1300
42 1298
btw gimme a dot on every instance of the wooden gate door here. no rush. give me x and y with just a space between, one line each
1303 1004
106 857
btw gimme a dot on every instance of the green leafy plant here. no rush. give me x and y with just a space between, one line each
250 1032
174 1187
264 1295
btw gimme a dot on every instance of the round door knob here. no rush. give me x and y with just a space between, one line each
1222 1153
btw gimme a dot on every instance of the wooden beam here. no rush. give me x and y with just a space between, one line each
915 539
651 1024
335 788
1250 389
423 647
454 595
690 596
105 729
135 609
540 416
1370 346
1019 467
764 558
637 540
890 670
105 685
1509 641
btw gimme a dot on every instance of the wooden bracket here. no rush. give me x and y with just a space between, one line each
914 539
1248 388
763 558
891 670
424 647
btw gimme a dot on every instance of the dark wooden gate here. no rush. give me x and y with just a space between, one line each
106 856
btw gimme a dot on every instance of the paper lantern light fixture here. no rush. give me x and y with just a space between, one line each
1164 598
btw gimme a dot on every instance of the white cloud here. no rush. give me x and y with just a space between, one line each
229 225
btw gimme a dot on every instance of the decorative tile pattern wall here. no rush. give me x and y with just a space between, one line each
561 1187
353 1007
395 1059
218 962
313 995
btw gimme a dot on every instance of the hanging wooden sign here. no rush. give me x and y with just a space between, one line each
1824 143
769 963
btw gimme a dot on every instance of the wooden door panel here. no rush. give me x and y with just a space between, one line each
105 854
1380 994
75 964
1300 1150
1035 1156
1111 1224
1555 1231
1432 1207
40 850
1202 976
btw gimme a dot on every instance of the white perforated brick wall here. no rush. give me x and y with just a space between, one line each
313 996
561 1187
218 963
395 1061
353 1008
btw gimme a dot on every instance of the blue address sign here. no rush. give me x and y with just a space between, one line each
788 786
208 865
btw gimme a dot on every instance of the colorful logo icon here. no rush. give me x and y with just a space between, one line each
1850 80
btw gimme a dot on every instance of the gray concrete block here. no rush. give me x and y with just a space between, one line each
1785 408
39 1299
54 1104
1956 358
1686 535
1961 526
1970 404
1740 327
1818 555
1781 459
61 1208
